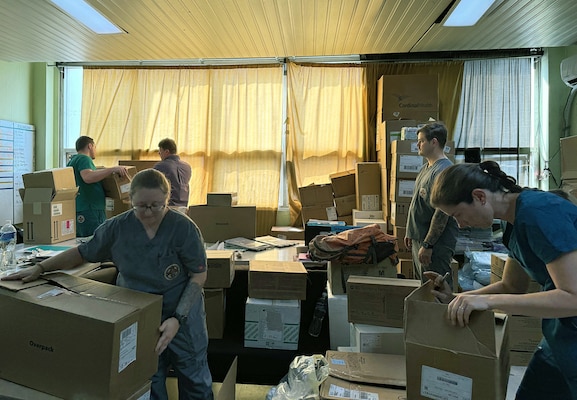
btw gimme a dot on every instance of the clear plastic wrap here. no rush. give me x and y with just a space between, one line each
302 382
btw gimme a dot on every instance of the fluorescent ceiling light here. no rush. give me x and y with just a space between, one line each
468 12
87 15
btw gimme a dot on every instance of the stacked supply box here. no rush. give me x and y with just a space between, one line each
448 361
368 186
363 218
524 331
49 206
412 96
76 338
273 307
220 275
117 190
344 192
219 223
317 203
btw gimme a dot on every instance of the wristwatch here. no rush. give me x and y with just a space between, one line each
181 318
427 245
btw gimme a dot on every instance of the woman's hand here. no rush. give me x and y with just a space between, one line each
168 330
26 274
460 309
442 289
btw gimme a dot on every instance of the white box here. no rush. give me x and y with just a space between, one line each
360 214
365 221
377 339
338 319
272 324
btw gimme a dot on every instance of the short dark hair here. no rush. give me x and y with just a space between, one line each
82 142
168 144
150 178
435 130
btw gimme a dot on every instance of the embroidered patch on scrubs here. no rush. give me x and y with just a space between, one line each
80 219
172 272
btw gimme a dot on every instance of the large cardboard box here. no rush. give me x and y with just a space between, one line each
338 274
414 96
400 213
220 269
48 216
56 179
401 190
368 186
343 183
378 301
316 195
78 338
390 131
447 361
272 324
215 307
345 204
406 165
222 199
498 261
118 187
338 389
410 147
380 369
221 223
277 280
524 333
116 206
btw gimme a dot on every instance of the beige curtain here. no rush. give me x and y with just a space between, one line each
450 81
327 114
226 123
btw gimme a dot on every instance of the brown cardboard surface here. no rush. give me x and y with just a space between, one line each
55 179
413 96
115 331
568 159
399 214
215 307
382 369
475 359
118 187
139 164
116 206
220 268
401 190
343 183
368 186
378 301
338 389
221 223
338 274
227 390
345 204
222 199
406 165
316 195
277 280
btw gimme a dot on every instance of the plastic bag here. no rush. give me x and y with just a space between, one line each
306 373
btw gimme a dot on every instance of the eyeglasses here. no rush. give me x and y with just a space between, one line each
153 208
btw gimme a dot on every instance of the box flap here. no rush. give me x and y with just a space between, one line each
227 390
56 179
384 369
426 324
65 194
16 286
34 195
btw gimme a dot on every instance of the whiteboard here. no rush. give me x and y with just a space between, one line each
16 158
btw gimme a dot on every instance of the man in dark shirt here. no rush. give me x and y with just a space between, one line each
177 172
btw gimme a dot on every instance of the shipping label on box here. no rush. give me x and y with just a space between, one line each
402 190
406 165
272 324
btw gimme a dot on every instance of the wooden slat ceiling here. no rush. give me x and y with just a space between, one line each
37 31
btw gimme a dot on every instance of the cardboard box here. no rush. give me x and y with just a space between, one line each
277 280
116 206
12 391
385 185
380 369
389 131
316 195
322 212
405 268
368 186
115 331
220 269
338 318
360 214
338 389
568 159
343 183
364 222
498 261
221 223
410 147
288 232
413 96
378 301
139 164
401 190
56 179
520 358
399 214
524 333
118 187
222 199
345 205
338 274
447 361
49 216
377 339
406 165
215 307
272 324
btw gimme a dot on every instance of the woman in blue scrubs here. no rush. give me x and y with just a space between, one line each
161 251
542 246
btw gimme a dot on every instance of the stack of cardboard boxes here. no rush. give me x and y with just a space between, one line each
220 275
273 306
76 338
344 192
117 191
49 206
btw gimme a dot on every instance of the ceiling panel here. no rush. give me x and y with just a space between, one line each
35 30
